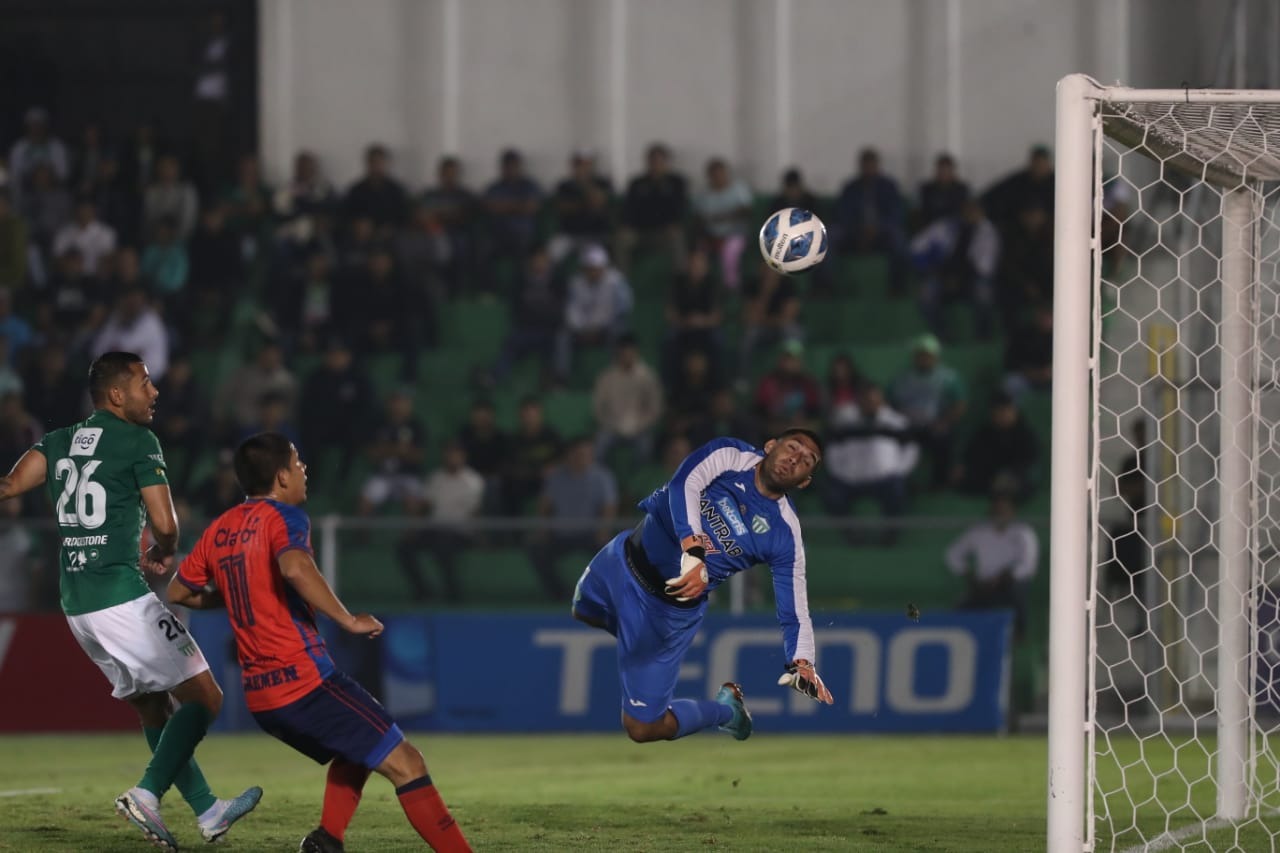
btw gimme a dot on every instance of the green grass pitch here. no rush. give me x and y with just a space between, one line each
601 792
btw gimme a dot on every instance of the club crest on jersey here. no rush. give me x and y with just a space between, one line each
85 441
759 524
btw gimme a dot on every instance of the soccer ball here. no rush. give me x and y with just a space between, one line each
792 240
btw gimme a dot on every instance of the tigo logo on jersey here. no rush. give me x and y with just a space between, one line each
759 524
85 441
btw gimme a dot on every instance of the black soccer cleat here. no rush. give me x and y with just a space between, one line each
319 840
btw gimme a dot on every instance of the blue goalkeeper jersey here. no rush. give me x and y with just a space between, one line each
713 496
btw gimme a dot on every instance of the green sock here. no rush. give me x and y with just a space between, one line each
190 782
174 748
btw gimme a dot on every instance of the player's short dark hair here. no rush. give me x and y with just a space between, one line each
108 370
807 433
258 459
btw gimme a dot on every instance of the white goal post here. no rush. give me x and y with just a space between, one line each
1165 471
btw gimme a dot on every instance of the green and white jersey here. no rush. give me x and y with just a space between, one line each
96 472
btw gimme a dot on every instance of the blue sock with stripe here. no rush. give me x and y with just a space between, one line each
694 715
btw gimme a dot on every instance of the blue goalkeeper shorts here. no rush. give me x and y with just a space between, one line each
653 635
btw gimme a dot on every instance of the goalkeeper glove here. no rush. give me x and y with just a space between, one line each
803 678
693 571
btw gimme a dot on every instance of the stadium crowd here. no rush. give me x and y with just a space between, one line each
108 244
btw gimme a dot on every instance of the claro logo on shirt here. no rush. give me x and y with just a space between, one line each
85 441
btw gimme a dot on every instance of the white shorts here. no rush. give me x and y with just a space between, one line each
140 646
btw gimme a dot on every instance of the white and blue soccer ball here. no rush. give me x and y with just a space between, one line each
793 240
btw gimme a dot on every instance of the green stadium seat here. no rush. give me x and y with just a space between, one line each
474 329
569 412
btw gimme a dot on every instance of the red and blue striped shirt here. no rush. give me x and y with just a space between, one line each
282 655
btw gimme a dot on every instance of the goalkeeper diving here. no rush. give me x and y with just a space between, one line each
725 510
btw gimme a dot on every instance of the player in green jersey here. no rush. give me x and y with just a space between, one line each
106 479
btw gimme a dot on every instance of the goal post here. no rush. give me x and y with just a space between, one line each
1165 471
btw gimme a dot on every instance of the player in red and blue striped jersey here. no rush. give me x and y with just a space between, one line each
725 509
256 560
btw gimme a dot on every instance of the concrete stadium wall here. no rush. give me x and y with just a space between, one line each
766 83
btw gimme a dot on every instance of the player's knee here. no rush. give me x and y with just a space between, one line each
642 732
404 764
153 709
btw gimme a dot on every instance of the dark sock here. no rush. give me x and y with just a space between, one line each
429 815
178 740
694 715
190 782
343 787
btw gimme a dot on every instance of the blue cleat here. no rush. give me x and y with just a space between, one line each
232 811
740 726
147 819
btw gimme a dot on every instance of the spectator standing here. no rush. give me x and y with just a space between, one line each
453 496
932 397
512 202
377 196
654 210
793 192
998 559
580 500
455 210
958 256
724 211
1031 186
307 194
943 195
870 218
627 403
583 204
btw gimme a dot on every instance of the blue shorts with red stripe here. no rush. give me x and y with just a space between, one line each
338 718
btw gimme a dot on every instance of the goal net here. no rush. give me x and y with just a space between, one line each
1165 623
